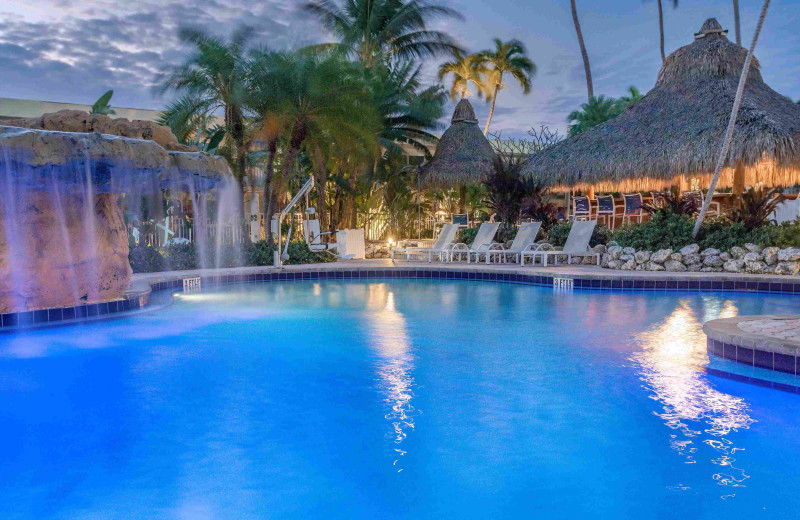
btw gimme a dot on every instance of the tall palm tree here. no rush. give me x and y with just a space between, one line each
584 54
407 113
630 98
212 79
661 26
598 110
465 69
507 58
320 96
736 22
378 31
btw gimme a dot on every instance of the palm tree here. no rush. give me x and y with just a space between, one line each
597 110
465 70
377 31
661 26
407 113
507 57
310 96
584 54
736 22
212 79
632 97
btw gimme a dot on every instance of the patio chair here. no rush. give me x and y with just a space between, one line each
484 240
524 241
713 208
607 209
577 245
440 248
633 207
581 208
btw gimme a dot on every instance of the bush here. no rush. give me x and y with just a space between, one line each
559 233
723 234
180 257
663 231
786 234
466 235
145 259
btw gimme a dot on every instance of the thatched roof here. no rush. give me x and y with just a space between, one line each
677 128
463 154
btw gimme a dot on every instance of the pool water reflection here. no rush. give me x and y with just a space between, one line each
399 399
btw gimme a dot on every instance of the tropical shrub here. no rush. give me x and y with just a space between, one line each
180 257
466 235
755 207
673 202
145 259
559 233
537 205
663 231
785 234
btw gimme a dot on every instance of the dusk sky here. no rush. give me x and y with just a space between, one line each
61 50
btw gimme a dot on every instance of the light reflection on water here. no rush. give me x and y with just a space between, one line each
672 359
394 370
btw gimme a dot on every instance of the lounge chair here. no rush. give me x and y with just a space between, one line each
440 248
524 241
577 245
484 240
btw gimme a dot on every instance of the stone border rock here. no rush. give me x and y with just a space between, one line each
750 258
727 340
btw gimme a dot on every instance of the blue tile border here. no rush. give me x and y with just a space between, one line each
784 387
10 321
753 357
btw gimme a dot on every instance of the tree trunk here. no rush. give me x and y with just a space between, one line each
321 181
661 30
269 173
298 135
462 199
494 100
736 22
589 87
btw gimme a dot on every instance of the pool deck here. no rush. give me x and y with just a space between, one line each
705 281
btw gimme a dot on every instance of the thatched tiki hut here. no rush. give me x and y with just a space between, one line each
463 155
675 132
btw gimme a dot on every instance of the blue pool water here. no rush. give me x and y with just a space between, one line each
399 400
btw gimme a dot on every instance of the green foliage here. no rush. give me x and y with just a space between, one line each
722 234
379 31
663 231
465 69
673 202
559 233
101 106
180 257
756 206
785 234
145 259
466 235
598 110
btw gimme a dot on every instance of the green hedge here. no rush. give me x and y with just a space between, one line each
181 257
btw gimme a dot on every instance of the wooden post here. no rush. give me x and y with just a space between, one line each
590 192
738 179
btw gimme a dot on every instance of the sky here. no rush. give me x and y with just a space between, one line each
69 51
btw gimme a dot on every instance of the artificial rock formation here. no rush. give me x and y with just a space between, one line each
56 248
84 122
60 257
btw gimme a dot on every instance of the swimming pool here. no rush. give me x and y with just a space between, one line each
397 399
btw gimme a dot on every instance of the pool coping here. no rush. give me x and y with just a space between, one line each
725 339
577 276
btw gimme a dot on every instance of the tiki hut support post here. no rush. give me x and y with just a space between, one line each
737 102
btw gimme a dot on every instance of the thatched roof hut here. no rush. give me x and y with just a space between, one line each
463 154
677 129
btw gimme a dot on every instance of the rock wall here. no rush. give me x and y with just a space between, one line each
84 122
750 258
55 261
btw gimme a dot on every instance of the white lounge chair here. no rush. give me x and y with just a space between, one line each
577 245
525 240
484 240
440 249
